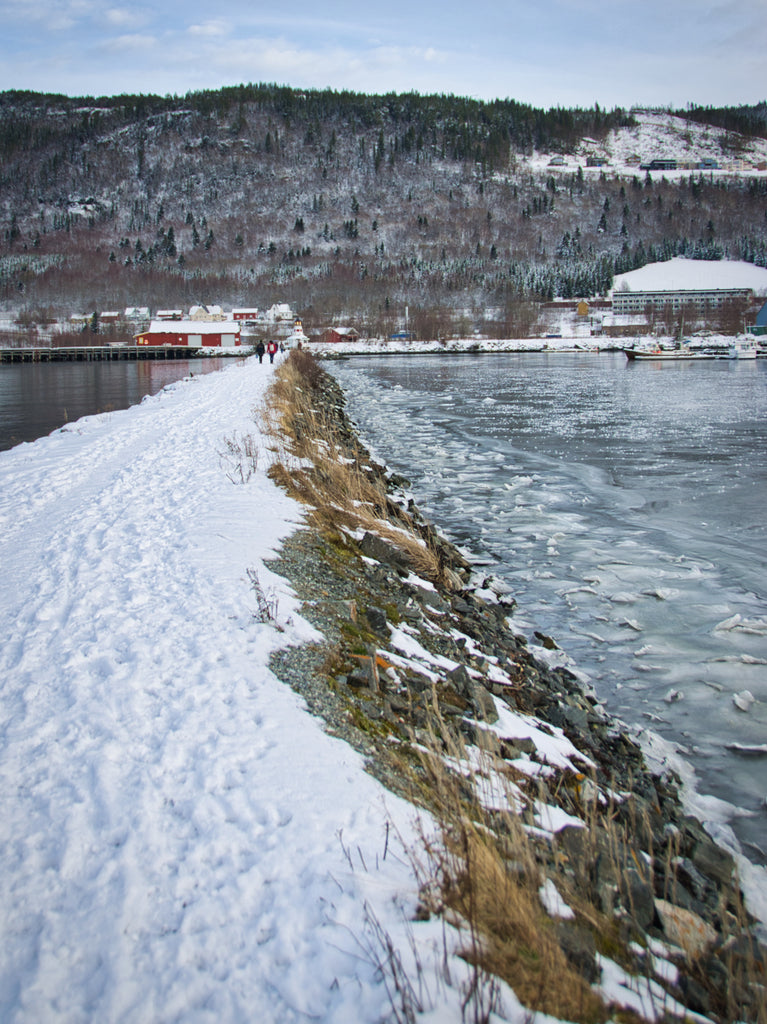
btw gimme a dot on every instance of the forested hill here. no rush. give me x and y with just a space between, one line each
338 200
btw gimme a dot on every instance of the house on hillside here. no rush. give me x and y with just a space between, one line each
617 326
191 333
249 315
659 165
333 335
210 313
136 314
169 314
280 311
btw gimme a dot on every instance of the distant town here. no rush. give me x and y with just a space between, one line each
664 300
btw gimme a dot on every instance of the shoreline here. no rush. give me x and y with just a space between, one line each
140 694
399 649
561 344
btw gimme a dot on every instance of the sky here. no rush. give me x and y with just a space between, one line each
564 53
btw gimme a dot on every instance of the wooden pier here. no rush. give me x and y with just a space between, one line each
108 353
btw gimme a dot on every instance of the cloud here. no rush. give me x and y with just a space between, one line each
124 17
705 51
128 43
211 29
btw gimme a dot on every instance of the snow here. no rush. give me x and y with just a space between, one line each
679 274
553 903
663 136
180 838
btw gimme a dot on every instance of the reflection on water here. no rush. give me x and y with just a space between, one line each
624 503
36 398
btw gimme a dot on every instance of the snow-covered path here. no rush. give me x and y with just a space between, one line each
169 812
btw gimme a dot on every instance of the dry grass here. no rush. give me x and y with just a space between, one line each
482 873
331 474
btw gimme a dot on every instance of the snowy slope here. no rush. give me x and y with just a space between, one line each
173 821
660 135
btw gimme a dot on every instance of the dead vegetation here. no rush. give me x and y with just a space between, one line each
332 474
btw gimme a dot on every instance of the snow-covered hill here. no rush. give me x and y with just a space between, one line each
663 136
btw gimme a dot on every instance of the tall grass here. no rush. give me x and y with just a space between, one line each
326 469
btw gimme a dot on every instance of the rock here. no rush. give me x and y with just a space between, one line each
546 641
381 550
689 876
377 620
480 698
512 749
577 719
685 929
713 861
430 598
640 899
694 995
484 739
484 704
365 675
580 949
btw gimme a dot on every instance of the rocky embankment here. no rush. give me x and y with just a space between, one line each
409 662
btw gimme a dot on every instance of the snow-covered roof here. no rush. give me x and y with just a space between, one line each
193 327
682 274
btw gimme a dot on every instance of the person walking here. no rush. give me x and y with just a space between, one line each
271 348
260 351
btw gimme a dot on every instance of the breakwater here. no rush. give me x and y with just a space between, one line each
417 659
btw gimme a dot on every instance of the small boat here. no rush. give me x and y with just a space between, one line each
655 352
743 348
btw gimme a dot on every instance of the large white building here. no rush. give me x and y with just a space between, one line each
702 285
701 300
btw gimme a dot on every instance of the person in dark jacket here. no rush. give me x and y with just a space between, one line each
260 351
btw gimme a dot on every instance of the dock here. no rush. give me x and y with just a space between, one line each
109 353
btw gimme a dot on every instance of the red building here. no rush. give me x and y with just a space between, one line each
192 333
337 334
250 315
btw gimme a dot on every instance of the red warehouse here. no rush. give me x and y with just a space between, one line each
191 333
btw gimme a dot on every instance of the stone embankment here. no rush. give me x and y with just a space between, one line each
409 663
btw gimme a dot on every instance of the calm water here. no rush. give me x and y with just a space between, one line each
625 505
36 398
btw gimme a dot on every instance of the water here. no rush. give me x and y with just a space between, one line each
36 398
625 505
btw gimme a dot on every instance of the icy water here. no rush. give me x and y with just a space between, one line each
36 398
625 505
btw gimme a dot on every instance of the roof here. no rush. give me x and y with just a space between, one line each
680 274
193 327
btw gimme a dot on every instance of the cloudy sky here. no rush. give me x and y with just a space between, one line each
566 52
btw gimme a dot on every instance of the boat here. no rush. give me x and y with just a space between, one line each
743 348
682 352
